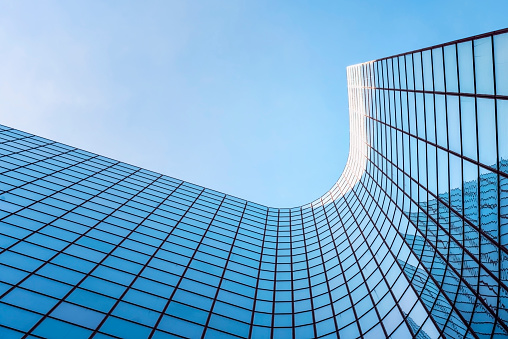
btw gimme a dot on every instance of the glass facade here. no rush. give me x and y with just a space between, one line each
412 240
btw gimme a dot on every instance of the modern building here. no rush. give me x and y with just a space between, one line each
412 240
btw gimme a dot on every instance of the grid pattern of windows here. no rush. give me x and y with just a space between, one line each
412 241
437 150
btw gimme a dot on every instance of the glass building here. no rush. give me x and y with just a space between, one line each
412 240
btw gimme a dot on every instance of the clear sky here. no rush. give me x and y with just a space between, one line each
245 97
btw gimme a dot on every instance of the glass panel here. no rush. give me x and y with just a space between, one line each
454 136
437 62
468 125
483 66
409 71
500 53
417 68
487 132
441 121
466 76
450 57
408 230
428 82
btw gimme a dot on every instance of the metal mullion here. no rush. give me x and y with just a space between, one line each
464 250
388 141
223 273
378 113
75 270
449 206
293 328
340 264
382 191
24 138
416 124
380 174
85 275
423 266
462 174
426 149
385 110
410 167
37 201
370 104
74 303
396 116
38 313
30 149
457 94
311 298
479 36
395 112
477 187
390 251
371 110
376 195
382 237
424 92
275 273
117 302
387 164
475 162
434 303
16 330
8 129
449 181
361 272
258 277
498 186
52 173
323 264
375 103
387 117
74 256
457 242
411 248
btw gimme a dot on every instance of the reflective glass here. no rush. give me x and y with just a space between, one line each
411 241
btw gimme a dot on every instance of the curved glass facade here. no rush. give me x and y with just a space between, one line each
412 241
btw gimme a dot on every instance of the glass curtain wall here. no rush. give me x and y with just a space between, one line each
412 240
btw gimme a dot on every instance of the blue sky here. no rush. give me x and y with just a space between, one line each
244 97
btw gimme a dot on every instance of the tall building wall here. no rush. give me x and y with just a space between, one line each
412 240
